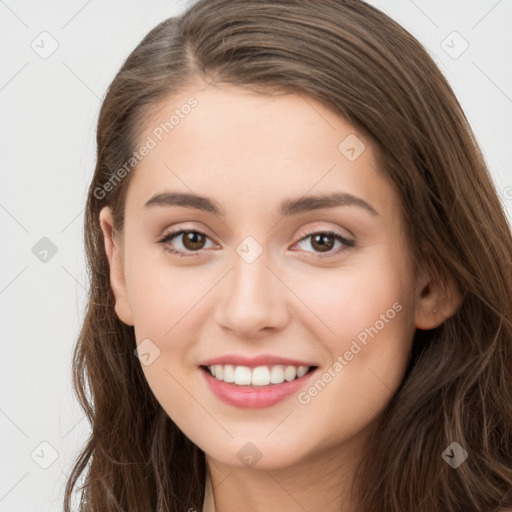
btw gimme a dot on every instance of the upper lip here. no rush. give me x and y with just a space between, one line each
252 362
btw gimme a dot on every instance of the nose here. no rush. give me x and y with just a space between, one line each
252 298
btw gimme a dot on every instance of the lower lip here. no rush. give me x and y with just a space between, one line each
254 397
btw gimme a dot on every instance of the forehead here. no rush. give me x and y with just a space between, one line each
290 125
230 142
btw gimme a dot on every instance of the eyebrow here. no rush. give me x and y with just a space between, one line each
288 206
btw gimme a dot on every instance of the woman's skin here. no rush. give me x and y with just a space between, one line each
250 152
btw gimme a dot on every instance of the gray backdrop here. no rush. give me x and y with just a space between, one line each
57 59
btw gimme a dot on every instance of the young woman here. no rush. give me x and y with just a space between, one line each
301 275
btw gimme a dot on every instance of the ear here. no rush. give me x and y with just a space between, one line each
115 260
436 301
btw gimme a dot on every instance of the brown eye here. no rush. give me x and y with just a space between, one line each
185 242
193 240
325 243
322 242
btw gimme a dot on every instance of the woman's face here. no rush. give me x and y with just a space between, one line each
258 277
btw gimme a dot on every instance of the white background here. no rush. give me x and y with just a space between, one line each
49 109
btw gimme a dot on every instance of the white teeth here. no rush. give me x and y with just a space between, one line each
258 376
219 370
302 370
277 375
229 373
242 375
290 373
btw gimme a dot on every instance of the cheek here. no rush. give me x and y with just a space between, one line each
164 303
363 304
349 300
365 320
368 355
161 296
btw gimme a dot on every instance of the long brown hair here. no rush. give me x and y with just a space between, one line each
458 384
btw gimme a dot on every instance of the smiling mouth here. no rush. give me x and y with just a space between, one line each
257 377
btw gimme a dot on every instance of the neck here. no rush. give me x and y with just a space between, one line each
319 483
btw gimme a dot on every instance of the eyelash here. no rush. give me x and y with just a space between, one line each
349 244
